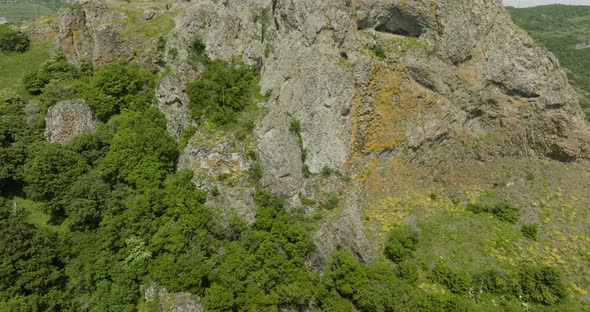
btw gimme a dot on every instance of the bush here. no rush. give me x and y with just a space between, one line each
530 231
457 282
224 90
408 271
401 244
55 69
119 86
379 51
50 170
500 208
141 152
542 284
12 40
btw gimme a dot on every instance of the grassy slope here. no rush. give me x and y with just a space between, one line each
560 28
13 67
23 11
548 193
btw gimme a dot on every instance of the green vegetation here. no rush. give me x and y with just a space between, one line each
56 69
500 208
21 11
224 90
378 50
530 231
401 244
118 87
13 40
565 31
89 224
14 67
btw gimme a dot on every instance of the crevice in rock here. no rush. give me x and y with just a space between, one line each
393 21
515 92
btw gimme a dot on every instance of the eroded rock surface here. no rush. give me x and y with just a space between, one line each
67 119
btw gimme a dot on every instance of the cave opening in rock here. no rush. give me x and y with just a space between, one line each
393 21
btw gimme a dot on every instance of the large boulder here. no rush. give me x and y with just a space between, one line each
67 119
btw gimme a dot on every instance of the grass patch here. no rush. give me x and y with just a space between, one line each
160 25
14 67
37 216
23 11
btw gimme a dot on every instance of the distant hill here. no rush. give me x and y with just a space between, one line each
565 31
23 10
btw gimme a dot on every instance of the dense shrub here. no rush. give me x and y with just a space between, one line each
50 170
56 69
13 40
542 284
223 91
500 208
141 152
530 231
15 134
117 87
401 243
456 281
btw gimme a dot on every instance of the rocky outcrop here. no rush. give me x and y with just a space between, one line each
220 164
67 119
173 102
427 81
374 83
472 75
88 29
160 299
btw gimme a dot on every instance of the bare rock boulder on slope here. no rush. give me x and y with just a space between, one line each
67 119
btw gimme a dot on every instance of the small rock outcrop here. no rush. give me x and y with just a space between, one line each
221 165
89 29
165 301
67 119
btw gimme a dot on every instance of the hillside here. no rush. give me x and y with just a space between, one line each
333 155
565 31
25 10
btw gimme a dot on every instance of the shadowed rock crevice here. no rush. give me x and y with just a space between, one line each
392 21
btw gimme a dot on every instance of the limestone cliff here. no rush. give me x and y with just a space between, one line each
372 83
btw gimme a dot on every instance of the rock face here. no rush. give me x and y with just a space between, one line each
89 29
428 81
220 165
371 84
67 119
173 102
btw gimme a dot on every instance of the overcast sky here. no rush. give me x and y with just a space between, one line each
528 3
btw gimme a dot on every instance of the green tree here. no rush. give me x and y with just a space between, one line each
223 91
31 263
50 170
401 243
56 69
141 153
12 39
117 87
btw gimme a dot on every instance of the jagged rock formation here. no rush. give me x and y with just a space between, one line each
455 81
67 119
372 83
90 31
